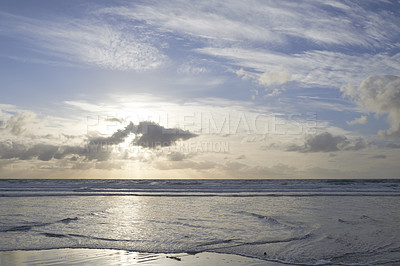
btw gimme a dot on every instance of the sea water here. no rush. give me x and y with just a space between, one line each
305 222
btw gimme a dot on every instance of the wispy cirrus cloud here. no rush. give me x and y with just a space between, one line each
91 41
311 40
321 43
321 22
311 68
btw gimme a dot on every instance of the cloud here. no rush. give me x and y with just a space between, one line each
146 134
245 75
326 142
393 145
116 138
379 156
26 136
273 77
381 95
152 135
202 19
107 165
193 66
230 169
279 22
91 41
268 79
237 169
304 36
309 68
274 92
358 121
133 37
185 164
178 155
43 152
115 119
20 123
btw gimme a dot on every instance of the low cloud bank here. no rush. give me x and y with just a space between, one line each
326 142
147 134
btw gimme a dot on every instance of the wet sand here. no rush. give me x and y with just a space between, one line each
122 257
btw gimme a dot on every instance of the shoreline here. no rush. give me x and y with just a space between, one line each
87 256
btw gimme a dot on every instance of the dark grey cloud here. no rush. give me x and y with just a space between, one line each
43 152
10 150
177 156
379 156
115 119
116 138
153 135
147 134
393 145
326 142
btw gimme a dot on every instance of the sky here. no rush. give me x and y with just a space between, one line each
199 89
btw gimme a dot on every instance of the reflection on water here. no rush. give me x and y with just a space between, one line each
95 257
77 257
310 230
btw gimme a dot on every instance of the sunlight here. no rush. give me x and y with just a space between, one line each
127 144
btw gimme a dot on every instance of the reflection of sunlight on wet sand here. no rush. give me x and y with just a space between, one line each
122 257
76 257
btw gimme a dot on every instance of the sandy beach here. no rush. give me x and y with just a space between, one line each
122 257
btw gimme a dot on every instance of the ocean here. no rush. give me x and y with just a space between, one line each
296 222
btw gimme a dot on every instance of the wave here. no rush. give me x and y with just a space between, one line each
20 228
253 243
24 228
38 187
68 220
105 239
216 242
267 219
361 219
175 223
57 235
212 194
54 235
375 252
274 241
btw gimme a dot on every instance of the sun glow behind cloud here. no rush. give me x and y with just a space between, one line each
268 89
232 141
